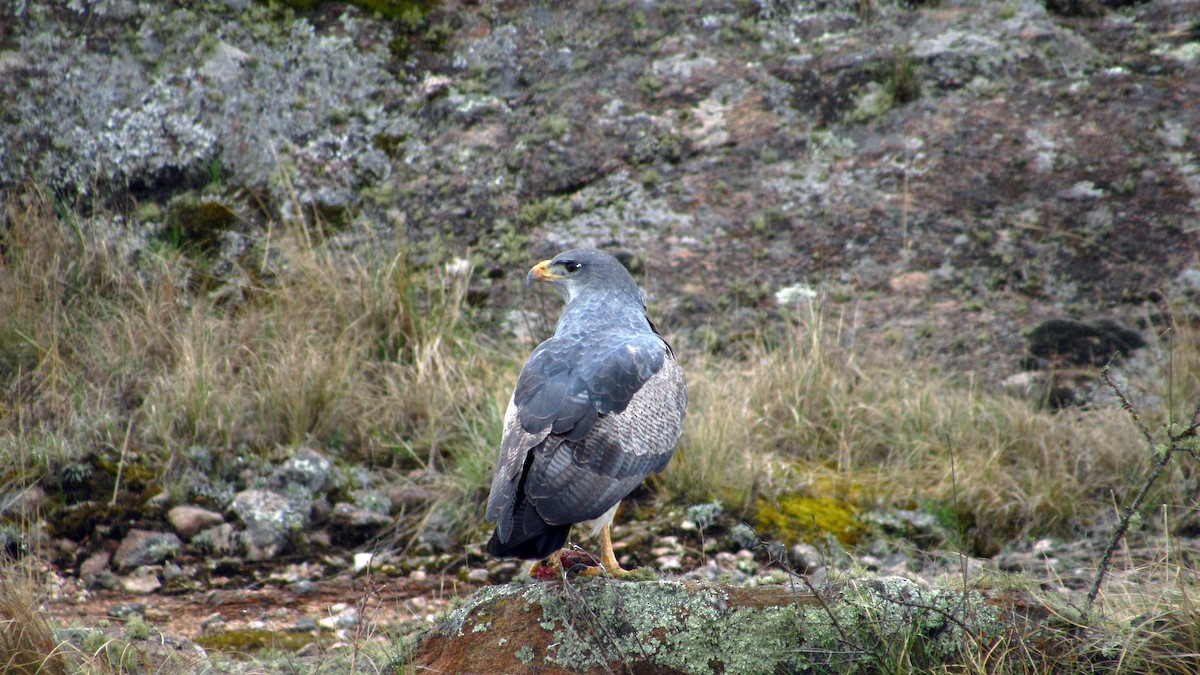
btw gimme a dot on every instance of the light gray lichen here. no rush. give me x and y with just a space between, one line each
693 629
141 91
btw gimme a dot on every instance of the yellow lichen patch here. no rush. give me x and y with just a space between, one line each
799 517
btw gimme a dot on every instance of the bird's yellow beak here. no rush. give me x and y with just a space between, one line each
541 272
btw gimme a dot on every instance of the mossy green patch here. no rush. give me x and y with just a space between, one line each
197 225
798 517
248 641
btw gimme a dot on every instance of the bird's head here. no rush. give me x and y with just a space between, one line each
584 271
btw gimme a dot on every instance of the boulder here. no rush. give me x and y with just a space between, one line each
189 520
271 521
143 547
604 625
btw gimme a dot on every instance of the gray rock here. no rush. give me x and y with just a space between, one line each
142 547
94 566
305 624
189 520
154 102
22 504
271 521
372 500
128 609
349 515
217 540
143 580
307 470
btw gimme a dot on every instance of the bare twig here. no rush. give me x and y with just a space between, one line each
782 562
1162 453
960 539
121 462
594 620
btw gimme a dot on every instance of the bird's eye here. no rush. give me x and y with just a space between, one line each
571 266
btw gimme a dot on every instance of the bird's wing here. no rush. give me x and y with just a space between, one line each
567 386
579 480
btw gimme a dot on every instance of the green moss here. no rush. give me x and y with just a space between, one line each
252 640
196 225
137 629
797 517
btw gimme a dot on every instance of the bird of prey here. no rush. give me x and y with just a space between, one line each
597 408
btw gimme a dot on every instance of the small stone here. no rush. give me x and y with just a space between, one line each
171 572
302 587
362 561
216 540
477 575
1043 548
94 565
669 563
374 501
189 520
126 610
142 547
271 521
340 617
805 557
143 580
212 623
308 470
347 515
305 624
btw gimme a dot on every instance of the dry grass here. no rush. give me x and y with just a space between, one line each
808 414
357 349
364 353
27 643
354 349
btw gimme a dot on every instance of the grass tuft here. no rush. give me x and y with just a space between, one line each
27 642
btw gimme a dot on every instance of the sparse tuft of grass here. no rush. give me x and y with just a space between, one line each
27 643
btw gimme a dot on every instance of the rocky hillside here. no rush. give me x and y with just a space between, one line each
947 174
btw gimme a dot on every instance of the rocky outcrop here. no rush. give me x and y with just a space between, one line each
963 172
692 627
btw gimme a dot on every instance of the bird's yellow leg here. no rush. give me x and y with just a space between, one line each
608 559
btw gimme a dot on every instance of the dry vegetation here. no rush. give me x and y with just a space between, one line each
368 353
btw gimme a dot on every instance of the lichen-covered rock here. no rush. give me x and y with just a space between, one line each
23 503
142 547
351 525
682 627
307 471
114 93
271 521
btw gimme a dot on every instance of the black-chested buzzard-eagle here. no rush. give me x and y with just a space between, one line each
597 408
